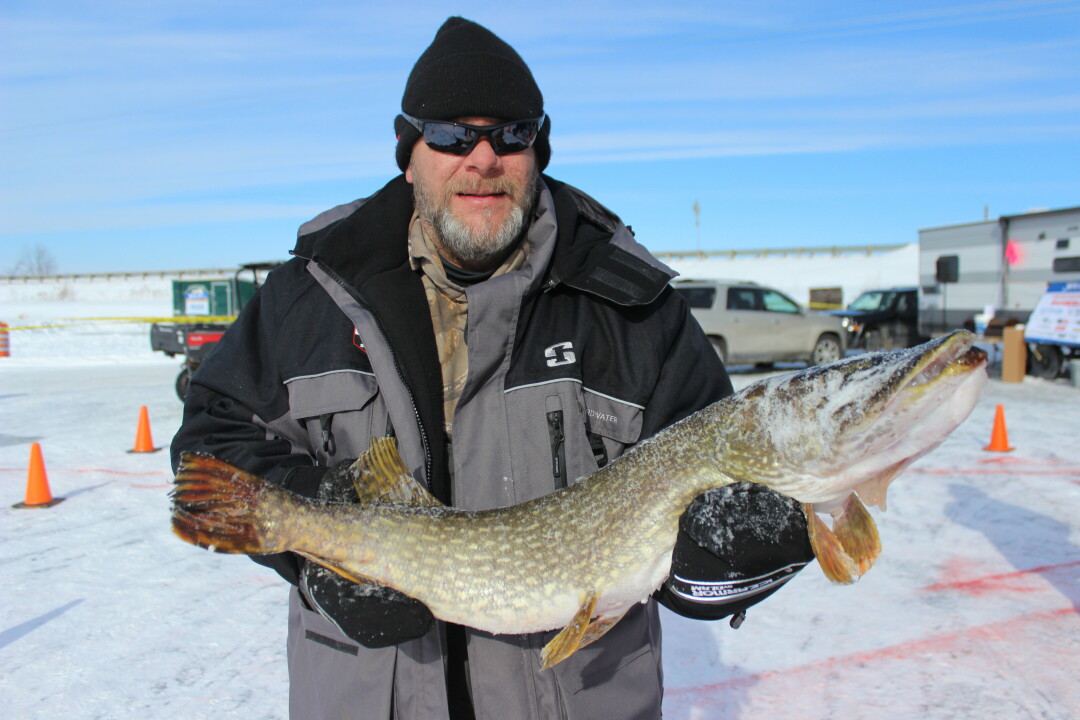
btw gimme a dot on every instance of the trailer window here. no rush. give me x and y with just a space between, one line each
1067 265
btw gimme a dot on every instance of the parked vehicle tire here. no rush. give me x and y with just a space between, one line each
182 382
880 338
720 347
1045 361
888 338
826 349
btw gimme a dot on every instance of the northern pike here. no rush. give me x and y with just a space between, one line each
579 558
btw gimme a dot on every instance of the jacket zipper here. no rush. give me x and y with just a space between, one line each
558 447
599 451
428 462
329 445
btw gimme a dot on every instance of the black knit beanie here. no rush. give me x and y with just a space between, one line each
468 71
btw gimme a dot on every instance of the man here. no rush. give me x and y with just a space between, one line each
511 334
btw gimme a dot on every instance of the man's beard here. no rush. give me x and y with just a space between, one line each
484 247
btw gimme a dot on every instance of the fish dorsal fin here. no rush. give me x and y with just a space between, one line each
381 477
873 490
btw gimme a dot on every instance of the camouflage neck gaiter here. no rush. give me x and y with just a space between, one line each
449 310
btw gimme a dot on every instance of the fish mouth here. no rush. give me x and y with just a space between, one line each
945 377
954 354
921 406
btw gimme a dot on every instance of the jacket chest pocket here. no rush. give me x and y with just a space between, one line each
565 433
340 411
611 425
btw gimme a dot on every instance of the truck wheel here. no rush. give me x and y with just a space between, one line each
880 338
826 350
888 339
182 382
720 347
1045 361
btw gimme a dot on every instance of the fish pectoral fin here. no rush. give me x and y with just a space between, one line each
837 565
874 489
381 476
570 637
857 533
332 566
598 627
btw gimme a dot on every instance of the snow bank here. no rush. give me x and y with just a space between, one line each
796 274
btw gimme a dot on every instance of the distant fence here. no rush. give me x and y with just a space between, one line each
834 250
142 275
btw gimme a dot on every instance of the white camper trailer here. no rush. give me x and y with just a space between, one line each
999 269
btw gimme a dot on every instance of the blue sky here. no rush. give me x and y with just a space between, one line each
146 135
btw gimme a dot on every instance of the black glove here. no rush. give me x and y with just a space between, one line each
736 546
371 614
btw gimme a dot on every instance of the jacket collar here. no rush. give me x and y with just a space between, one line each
594 251
597 254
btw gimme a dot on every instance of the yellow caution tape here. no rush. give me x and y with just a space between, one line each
75 322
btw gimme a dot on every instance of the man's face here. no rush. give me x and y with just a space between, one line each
478 204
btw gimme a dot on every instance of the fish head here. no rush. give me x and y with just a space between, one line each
854 424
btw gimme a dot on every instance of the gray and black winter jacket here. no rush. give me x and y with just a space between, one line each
573 358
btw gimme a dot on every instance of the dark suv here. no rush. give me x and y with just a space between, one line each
883 319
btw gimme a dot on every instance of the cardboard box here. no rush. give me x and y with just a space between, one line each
1014 356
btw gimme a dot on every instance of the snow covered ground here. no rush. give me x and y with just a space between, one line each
971 612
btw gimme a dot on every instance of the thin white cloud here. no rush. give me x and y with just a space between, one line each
133 114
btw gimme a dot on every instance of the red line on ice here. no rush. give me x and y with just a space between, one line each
912 650
121 472
104 471
994 471
1020 460
1000 581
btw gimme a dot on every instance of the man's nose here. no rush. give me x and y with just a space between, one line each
483 156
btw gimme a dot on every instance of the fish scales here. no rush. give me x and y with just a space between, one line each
580 557
461 563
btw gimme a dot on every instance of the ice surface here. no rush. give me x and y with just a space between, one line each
971 611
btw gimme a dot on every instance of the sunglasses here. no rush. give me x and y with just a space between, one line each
460 138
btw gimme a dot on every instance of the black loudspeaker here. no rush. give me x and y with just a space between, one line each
948 268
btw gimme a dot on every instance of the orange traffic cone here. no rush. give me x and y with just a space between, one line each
999 438
37 483
144 443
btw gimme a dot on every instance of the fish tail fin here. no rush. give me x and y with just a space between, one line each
857 533
837 565
217 506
